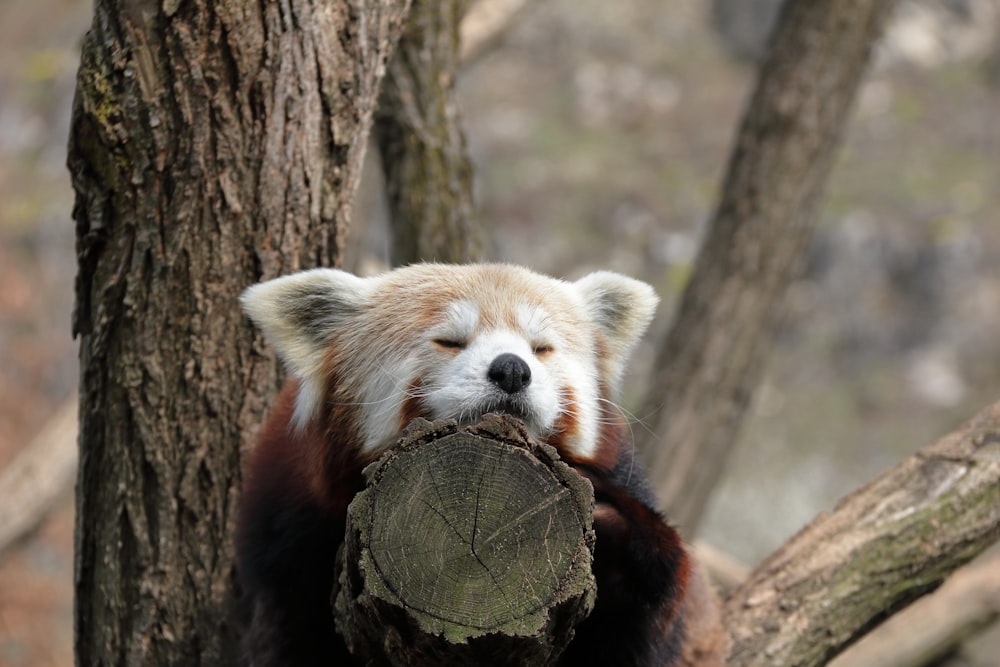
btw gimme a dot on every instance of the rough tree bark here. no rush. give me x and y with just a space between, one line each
711 360
53 455
213 142
883 546
418 130
469 546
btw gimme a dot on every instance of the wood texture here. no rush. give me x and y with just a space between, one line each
711 360
881 548
444 563
213 143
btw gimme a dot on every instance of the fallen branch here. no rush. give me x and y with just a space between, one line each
882 547
38 476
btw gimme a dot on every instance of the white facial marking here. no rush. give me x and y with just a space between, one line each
536 324
460 387
385 393
460 323
450 369
384 353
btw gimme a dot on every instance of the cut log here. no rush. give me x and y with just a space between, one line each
469 546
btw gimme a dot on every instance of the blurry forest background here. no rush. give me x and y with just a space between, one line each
599 132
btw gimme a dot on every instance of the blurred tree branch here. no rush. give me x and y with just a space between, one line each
484 25
41 474
711 360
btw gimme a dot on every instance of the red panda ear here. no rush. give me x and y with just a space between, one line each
621 308
298 314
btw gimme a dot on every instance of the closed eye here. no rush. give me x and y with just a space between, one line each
542 350
450 344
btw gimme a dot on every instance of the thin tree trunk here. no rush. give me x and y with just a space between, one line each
213 142
427 168
711 360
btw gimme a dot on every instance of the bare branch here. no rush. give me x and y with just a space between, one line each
484 25
42 473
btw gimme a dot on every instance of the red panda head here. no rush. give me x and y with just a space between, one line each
454 341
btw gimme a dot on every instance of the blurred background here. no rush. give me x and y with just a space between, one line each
600 132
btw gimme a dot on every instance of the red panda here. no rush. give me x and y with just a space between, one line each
368 355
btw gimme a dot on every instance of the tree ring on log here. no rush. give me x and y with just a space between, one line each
463 534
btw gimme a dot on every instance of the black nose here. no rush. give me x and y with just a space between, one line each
510 373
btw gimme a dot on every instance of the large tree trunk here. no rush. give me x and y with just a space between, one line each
214 142
711 361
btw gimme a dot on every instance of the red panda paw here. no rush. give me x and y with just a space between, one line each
641 570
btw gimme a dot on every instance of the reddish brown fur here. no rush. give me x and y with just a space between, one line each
323 473
609 442
705 642
567 425
412 407
299 484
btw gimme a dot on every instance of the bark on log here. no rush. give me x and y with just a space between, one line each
929 629
213 142
428 173
881 548
469 546
711 360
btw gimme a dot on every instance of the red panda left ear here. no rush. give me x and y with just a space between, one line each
298 314
621 308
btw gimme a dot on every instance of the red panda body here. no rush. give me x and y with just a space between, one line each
369 355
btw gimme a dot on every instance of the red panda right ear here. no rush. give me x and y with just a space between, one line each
298 314
622 308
